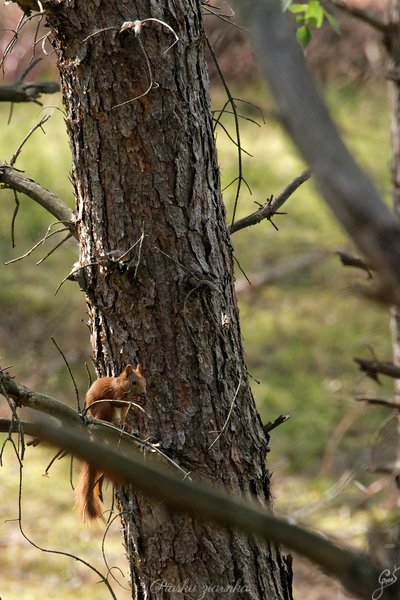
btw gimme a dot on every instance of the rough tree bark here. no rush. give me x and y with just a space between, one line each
149 168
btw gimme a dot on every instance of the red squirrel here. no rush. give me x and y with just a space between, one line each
129 386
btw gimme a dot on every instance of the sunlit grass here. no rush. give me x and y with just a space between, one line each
50 521
301 334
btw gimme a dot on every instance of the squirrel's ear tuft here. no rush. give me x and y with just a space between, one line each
138 369
129 369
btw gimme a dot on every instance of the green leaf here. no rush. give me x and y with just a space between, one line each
311 22
303 35
298 8
315 14
332 22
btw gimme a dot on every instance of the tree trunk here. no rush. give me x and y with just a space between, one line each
393 49
146 173
388 533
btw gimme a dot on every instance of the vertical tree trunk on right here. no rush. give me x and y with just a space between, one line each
393 75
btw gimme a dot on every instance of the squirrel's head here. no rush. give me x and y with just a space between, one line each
136 383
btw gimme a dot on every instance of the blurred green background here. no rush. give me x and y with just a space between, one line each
300 334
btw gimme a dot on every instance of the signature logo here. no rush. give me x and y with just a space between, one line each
385 579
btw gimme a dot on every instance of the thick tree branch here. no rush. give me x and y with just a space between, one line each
271 206
25 397
355 571
361 15
374 367
13 179
27 91
343 184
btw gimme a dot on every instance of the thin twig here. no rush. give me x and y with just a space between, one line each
26 138
361 15
228 416
230 112
152 83
58 456
240 178
78 404
66 238
232 140
225 18
71 274
139 254
41 241
88 374
103 541
29 68
272 205
15 422
23 20
13 218
35 40
110 401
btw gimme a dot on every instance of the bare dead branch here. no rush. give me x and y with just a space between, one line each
50 252
379 401
47 235
272 205
361 15
28 91
12 178
373 368
272 424
350 260
357 573
23 396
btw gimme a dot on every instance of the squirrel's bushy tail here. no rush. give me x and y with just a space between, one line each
88 492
